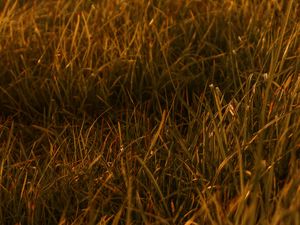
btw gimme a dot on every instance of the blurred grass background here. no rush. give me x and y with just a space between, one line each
149 112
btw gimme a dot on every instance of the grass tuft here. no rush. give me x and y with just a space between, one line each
149 112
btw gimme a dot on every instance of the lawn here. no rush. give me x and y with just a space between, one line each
150 112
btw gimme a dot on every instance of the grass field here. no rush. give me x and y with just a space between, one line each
150 112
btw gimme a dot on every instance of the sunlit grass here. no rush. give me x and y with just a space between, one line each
149 112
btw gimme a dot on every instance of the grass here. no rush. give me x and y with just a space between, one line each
150 112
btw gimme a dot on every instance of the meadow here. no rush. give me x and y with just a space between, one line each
150 112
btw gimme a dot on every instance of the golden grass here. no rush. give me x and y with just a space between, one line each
149 112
